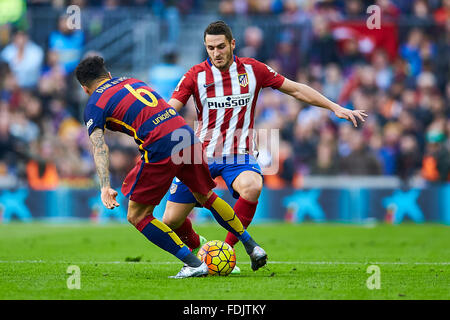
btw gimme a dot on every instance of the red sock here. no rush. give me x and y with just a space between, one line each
245 210
187 234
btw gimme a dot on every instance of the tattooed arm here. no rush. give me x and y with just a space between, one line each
101 158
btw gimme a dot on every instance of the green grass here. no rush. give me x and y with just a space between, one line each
307 261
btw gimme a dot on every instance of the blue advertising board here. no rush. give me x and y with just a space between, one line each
347 205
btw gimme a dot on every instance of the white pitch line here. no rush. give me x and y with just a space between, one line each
245 262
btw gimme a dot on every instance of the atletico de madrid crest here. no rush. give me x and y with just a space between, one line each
243 80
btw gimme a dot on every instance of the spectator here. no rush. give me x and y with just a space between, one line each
388 9
226 7
122 161
259 6
24 58
287 167
410 51
351 55
409 158
57 113
68 44
354 9
333 82
6 140
326 162
436 162
421 15
442 14
23 129
41 171
388 152
328 10
287 55
53 78
304 147
253 44
165 76
361 160
441 63
323 47
383 71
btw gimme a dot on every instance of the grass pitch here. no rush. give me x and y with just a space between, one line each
307 261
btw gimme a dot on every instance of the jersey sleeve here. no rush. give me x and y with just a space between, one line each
94 118
267 76
185 87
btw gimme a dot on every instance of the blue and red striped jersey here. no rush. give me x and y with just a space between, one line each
130 106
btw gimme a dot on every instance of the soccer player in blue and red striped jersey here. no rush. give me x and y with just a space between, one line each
169 149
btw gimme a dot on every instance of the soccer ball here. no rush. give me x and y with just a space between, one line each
219 256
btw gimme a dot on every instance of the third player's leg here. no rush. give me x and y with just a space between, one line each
176 217
175 213
198 179
228 219
249 185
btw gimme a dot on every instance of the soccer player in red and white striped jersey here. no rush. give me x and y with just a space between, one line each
225 89
225 102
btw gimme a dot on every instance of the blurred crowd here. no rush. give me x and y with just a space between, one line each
43 142
406 93
159 7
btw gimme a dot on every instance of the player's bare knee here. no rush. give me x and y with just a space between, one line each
251 194
132 219
251 189
137 212
171 220
201 198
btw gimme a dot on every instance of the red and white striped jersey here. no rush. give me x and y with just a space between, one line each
225 103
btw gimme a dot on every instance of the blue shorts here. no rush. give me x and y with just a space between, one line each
229 167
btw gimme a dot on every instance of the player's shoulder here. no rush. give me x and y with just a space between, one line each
251 61
195 70
258 67
95 96
126 80
202 66
130 79
91 105
91 109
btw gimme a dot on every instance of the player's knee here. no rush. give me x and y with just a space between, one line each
201 198
133 219
250 189
172 221
137 212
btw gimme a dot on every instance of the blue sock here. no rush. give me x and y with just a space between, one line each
162 236
228 219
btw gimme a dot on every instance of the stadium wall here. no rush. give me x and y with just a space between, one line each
359 204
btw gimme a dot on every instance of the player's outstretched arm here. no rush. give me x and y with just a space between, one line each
101 158
308 95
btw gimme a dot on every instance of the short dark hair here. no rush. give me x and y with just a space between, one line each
91 69
218 28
